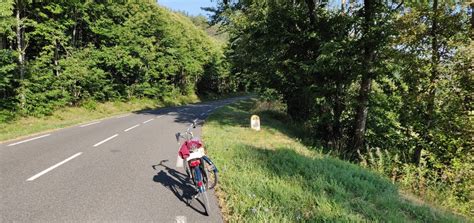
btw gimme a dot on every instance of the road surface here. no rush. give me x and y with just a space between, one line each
120 169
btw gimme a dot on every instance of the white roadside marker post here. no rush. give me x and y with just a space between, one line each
255 122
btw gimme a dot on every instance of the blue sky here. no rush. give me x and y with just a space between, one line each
193 7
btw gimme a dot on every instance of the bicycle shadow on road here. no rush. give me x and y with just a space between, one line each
179 184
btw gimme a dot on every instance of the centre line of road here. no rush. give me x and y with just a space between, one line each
93 123
180 219
149 120
126 130
53 167
122 116
105 140
39 137
203 113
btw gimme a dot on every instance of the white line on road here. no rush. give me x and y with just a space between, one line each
209 110
180 219
93 123
105 140
39 137
159 116
126 130
53 167
122 116
203 113
149 120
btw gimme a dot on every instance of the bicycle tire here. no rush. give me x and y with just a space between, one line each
206 202
203 189
205 179
211 177
211 173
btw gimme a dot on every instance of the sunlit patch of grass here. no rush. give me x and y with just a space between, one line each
89 111
268 176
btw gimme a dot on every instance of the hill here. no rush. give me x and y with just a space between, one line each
271 176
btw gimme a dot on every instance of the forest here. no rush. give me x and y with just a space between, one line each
384 84
64 53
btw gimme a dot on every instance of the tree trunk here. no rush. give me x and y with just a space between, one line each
311 6
435 58
366 82
362 112
21 53
74 35
20 41
56 58
338 108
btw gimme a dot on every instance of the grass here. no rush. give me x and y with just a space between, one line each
89 111
268 176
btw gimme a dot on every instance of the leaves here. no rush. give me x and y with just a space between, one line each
79 51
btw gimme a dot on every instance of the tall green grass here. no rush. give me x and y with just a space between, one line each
268 176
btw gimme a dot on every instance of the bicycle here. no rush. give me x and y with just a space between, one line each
199 168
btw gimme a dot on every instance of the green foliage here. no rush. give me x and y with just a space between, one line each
7 78
81 51
391 75
449 186
268 176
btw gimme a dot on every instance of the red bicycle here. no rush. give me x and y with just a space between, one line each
199 168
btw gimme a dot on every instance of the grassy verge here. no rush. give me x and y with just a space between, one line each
89 111
268 176
213 96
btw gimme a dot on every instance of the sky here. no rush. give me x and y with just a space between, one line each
193 7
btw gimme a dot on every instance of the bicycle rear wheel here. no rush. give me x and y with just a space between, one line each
202 177
205 200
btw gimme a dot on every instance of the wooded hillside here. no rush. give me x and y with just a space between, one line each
63 53
388 84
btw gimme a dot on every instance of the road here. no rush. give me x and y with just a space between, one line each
106 170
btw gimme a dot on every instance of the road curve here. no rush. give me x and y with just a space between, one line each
118 169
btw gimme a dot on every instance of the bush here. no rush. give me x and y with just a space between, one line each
450 187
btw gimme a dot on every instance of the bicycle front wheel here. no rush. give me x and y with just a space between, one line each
212 177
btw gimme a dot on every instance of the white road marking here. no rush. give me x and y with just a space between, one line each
93 123
149 120
180 219
105 140
209 110
122 116
126 130
53 167
179 161
39 137
203 113
159 116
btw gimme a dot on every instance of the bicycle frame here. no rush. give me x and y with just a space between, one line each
194 162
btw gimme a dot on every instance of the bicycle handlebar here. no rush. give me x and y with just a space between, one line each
187 133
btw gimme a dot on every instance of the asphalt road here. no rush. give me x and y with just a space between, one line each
121 169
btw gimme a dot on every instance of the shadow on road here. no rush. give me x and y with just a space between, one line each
188 113
179 184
